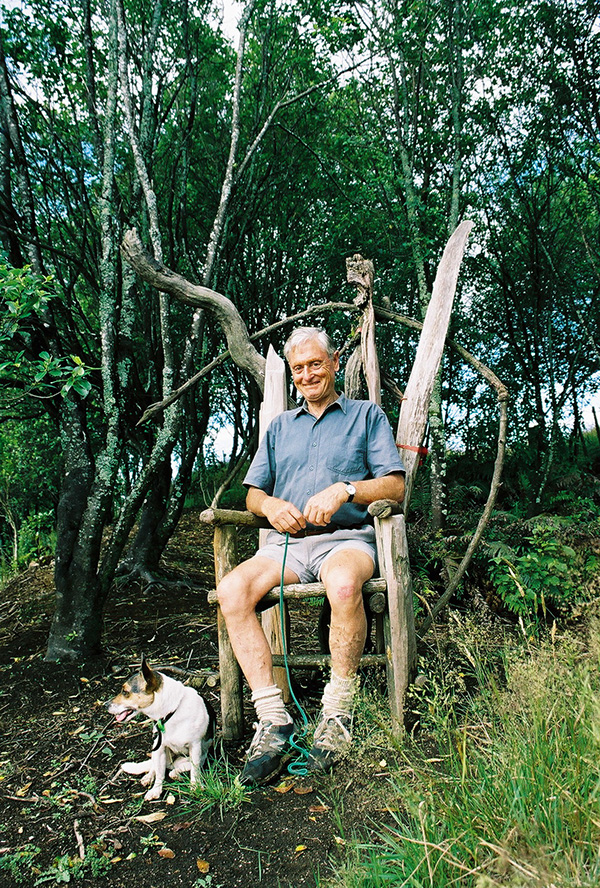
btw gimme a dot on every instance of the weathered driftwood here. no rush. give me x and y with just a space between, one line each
414 410
360 273
305 661
274 403
299 591
219 517
400 642
384 508
225 547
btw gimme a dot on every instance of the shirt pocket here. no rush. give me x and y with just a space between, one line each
349 460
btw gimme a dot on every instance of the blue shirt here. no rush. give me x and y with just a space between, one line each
301 455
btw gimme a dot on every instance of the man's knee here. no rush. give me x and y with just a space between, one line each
232 594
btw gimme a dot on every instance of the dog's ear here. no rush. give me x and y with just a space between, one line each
153 680
146 670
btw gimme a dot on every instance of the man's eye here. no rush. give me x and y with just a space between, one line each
316 365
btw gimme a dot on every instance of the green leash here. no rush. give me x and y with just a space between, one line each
298 767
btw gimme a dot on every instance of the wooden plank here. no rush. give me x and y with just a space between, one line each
274 403
414 409
298 591
305 661
232 714
392 552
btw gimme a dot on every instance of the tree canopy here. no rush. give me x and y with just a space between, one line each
253 170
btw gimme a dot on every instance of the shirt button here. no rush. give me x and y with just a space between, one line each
311 468
314 443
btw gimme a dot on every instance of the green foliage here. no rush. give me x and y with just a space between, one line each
219 789
22 867
511 791
24 299
18 864
539 574
22 295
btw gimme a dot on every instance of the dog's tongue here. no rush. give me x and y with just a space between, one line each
121 716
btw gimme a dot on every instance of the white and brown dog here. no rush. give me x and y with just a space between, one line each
184 726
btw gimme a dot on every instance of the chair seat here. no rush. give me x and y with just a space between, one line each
297 591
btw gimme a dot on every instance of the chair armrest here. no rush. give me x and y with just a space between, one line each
218 517
384 508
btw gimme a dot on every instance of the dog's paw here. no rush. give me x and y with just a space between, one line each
153 793
148 778
136 767
180 766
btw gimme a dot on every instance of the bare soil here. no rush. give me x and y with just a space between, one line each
63 795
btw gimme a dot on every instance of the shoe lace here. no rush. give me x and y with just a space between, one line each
266 739
333 732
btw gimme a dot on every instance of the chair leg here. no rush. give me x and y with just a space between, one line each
232 708
399 624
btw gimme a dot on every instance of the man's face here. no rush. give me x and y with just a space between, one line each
313 372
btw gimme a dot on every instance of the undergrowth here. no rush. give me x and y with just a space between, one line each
511 796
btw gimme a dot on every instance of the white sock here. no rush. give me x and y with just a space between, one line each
269 705
339 694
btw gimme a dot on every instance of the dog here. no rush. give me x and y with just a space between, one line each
184 726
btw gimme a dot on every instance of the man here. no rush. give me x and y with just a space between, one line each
316 470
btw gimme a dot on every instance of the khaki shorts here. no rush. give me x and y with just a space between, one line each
307 555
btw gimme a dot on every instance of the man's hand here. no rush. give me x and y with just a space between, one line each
283 516
323 505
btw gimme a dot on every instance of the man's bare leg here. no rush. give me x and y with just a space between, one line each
239 592
343 575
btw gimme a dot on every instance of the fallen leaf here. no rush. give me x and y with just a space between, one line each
318 809
170 799
166 852
338 840
203 865
299 849
23 790
152 818
115 859
284 787
303 790
85 680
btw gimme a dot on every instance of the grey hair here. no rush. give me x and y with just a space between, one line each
304 334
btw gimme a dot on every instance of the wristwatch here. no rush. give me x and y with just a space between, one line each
350 490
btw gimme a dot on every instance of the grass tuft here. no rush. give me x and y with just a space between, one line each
513 796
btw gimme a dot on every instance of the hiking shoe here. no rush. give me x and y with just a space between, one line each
330 744
266 753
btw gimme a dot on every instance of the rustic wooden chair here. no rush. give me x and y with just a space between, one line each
389 596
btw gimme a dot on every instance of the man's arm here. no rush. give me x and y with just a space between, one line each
320 507
282 515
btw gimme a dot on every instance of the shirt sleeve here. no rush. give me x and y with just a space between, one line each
382 454
261 473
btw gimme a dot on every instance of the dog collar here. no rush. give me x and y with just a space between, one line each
159 727
161 722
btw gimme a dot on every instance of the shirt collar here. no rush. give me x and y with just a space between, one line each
341 402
